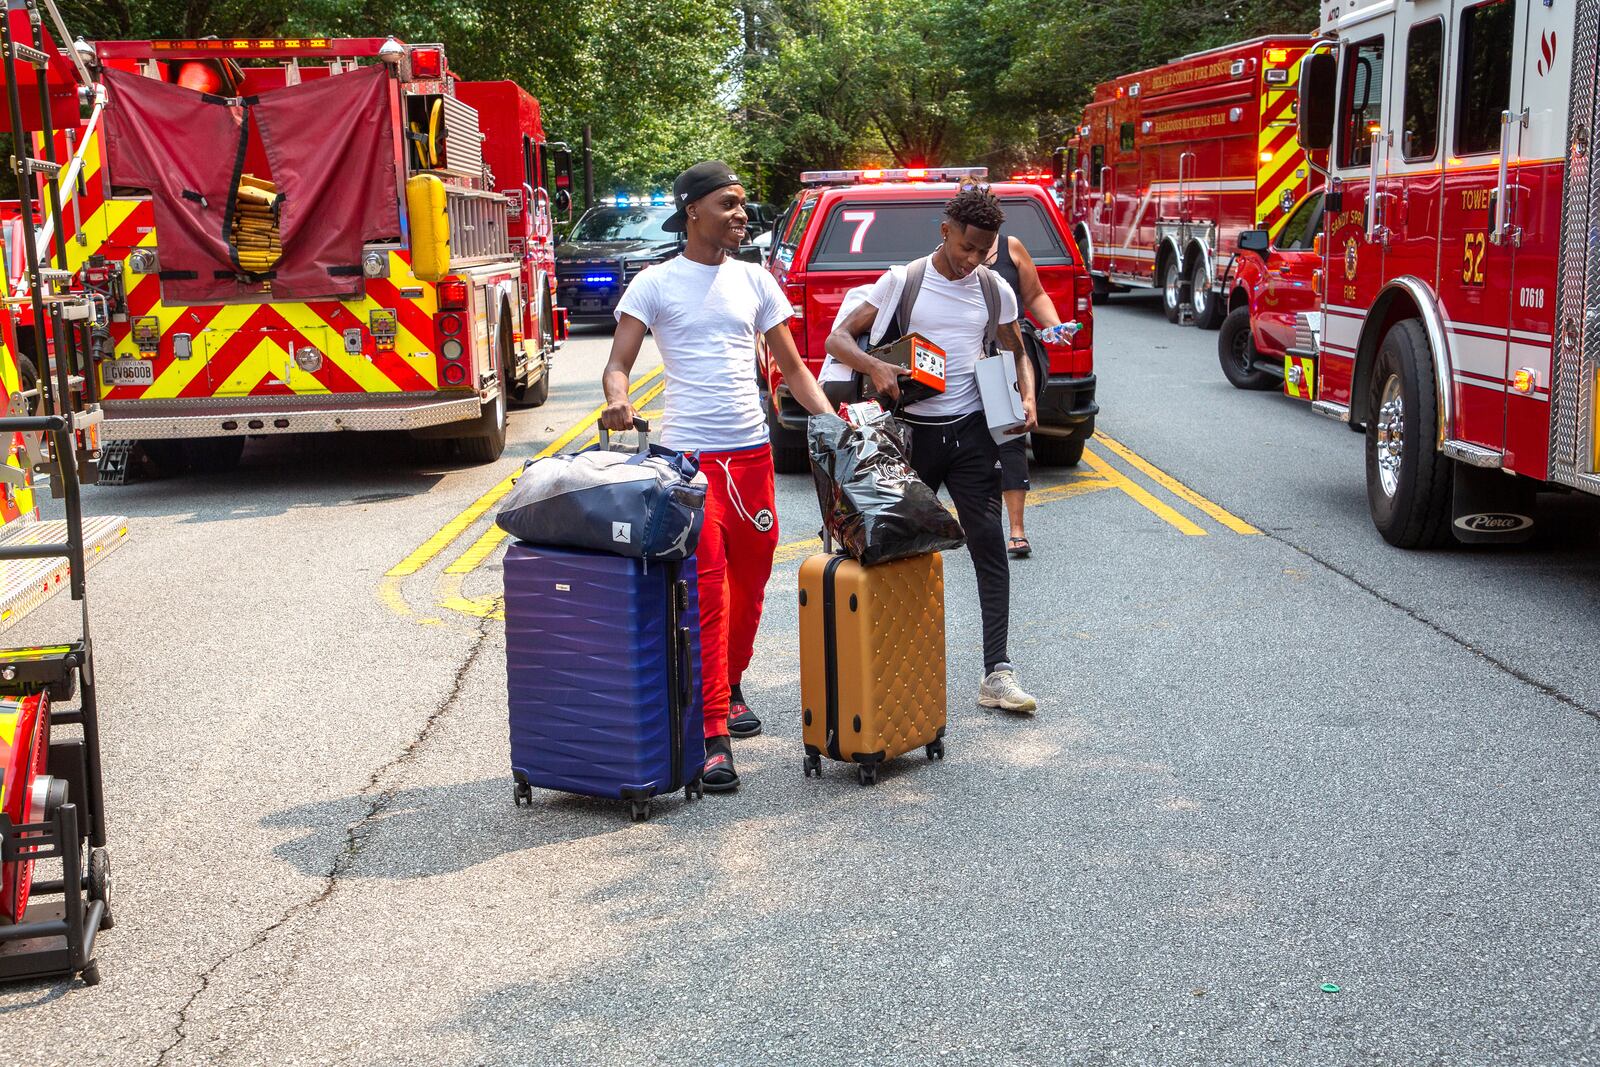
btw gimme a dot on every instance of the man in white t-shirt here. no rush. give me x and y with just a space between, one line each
706 310
951 444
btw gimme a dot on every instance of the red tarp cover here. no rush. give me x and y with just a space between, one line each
329 144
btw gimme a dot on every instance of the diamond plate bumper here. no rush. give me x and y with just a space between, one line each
27 583
143 422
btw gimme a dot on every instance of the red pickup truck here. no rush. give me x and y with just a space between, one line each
1271 279
845 228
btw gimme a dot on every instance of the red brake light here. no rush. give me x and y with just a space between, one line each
449 325
454 374
427 64
1083 292
453 295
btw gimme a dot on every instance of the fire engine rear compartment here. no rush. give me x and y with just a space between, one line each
325 145
1575 392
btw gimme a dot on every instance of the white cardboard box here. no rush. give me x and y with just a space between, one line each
1002 399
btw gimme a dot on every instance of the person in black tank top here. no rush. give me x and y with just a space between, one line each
1011 261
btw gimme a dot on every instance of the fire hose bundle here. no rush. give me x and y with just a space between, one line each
255 224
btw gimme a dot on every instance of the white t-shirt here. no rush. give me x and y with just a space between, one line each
705 321
953 316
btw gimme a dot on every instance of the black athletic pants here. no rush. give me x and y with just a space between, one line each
963 457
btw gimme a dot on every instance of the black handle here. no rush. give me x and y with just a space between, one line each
685 675
641 425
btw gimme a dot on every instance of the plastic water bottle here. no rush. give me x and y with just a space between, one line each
1061 333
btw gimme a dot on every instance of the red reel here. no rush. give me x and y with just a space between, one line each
24 754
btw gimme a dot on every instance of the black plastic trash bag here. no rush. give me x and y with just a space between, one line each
873 504
648 505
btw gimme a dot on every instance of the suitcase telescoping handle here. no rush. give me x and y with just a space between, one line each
680 596
640 425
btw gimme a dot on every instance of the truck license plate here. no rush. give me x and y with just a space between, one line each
130 372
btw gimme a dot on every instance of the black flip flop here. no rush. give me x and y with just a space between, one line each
718 776
742 722
1019 548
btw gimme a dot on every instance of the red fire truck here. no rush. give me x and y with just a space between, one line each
1170 164
1460 323
312 234
1269 281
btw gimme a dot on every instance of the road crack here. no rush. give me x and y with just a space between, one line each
1509 669
379 798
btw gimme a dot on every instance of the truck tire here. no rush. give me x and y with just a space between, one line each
1049 451
1208 306
790 455
1409 482
537 393
1236 351
1172 290
488 436
1101 293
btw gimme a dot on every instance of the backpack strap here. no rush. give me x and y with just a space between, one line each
916 270
990 284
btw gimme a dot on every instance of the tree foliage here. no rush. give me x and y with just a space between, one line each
777 86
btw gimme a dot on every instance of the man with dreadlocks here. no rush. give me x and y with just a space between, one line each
962 307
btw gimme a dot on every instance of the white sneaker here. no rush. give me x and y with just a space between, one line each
1000 690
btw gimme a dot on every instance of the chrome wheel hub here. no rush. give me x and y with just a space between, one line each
1390 432
1170 285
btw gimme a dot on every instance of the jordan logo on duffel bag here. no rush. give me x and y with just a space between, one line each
622 531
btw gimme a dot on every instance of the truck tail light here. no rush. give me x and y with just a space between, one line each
1082 301
797 298
427 64
452 295
453 376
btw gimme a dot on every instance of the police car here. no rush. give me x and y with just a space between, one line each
607 248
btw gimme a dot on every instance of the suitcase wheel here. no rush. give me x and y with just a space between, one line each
522 793
694 790
867 773
936 749
639 809
813 766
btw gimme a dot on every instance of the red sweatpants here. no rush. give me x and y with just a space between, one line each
734 560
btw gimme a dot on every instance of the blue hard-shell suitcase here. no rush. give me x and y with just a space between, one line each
603 674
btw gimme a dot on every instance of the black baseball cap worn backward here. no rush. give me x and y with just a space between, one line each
702 179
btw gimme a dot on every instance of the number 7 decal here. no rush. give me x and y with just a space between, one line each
863 221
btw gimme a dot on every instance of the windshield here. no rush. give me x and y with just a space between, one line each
623 224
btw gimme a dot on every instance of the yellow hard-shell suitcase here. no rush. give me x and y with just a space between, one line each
871 660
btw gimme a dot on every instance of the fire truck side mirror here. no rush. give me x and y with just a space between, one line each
563 197
1058 165
1257 241
1319 75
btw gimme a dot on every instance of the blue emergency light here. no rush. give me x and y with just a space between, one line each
599 279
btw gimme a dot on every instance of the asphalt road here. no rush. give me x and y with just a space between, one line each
1265 761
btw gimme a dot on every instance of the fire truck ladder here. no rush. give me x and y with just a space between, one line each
66 819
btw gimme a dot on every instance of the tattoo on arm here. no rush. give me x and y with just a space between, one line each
1011 338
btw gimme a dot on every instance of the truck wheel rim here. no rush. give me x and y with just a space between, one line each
1170 289
1391 436
1200 293
1241 350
